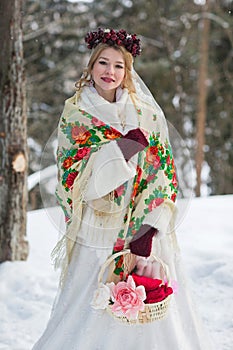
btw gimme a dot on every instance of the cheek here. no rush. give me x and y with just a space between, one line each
95 71
121 76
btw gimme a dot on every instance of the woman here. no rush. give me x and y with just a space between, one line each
117 187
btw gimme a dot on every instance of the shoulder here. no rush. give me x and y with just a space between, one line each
71 100
77 96
71 110
148 105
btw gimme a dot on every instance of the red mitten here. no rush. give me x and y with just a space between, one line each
141 244
133 142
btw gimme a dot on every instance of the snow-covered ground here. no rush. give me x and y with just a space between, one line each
205 235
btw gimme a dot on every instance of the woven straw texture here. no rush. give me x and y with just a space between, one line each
152 312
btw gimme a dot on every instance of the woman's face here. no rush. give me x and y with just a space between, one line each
108 72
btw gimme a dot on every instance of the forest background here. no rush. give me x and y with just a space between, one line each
171 33
187 64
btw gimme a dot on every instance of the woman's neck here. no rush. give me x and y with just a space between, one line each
108 95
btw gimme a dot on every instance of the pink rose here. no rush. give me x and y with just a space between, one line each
128 299
97 122
155 203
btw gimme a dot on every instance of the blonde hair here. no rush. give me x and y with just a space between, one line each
128 59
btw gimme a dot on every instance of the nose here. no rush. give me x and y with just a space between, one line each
110 69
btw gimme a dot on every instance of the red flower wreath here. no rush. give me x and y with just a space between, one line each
112 37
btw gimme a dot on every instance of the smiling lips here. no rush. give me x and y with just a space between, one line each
108 80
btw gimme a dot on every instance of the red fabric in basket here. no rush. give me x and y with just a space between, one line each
158 294
155 290
147 282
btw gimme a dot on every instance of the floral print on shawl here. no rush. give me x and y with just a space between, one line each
157 157
84 140
81 134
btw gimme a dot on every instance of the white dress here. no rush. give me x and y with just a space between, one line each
75 325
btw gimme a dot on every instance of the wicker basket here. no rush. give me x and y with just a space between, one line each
151 312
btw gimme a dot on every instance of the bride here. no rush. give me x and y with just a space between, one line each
118 187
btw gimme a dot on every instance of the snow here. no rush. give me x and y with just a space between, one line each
42 175
27 289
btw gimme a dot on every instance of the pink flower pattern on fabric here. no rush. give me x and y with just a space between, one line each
119 191
97 122
119 244
128 299
155 203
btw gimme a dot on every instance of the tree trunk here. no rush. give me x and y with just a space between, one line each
13 149
202 96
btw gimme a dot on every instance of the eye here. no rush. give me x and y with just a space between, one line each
103 62
119 66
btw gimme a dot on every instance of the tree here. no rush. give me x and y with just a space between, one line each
202 96
13 149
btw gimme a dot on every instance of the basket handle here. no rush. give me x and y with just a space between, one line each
127 251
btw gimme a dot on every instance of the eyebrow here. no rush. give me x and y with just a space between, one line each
107 59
